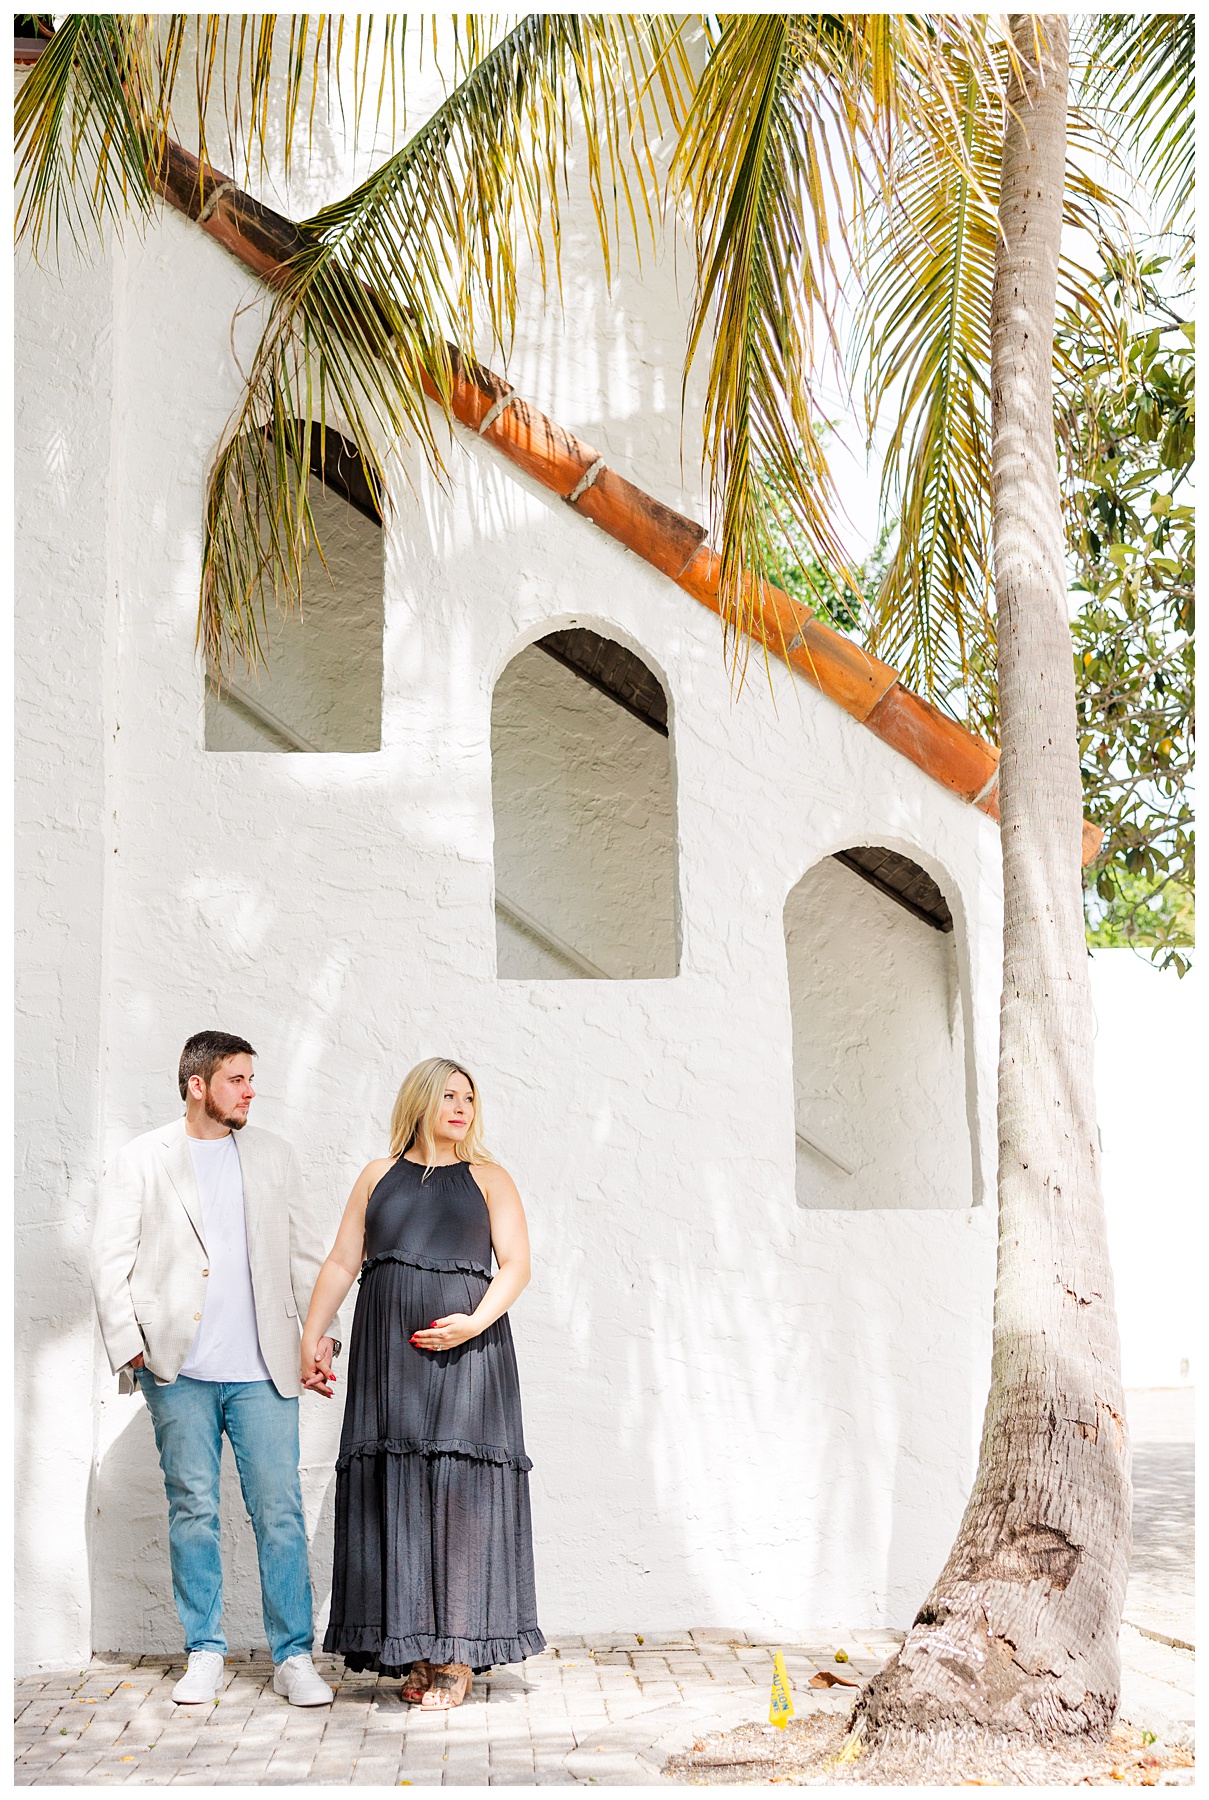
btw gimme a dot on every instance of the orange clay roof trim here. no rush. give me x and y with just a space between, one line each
870 691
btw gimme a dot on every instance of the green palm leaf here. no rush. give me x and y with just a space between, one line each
756 169
94 114
784 151
922 336
1142 69
410 272
90 124
922 339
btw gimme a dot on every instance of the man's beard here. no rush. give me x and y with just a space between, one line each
213 1112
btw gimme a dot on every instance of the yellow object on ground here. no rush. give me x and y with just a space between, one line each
780 1705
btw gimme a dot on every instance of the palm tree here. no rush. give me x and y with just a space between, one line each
937 154
1020 1629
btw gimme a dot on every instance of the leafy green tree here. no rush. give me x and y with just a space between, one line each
1125 427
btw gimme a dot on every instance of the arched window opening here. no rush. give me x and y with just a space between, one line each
320 686
585 815
878 1037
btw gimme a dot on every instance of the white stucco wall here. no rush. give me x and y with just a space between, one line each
879 1049
322 671
584 816
740 1412
65 353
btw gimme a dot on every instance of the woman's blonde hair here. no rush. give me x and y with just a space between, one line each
417 1109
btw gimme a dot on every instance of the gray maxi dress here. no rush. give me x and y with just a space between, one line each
434 1544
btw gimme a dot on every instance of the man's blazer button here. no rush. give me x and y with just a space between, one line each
197 1315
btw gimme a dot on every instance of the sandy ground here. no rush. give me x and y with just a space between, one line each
810 1753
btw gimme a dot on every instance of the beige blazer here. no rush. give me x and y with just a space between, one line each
149 1264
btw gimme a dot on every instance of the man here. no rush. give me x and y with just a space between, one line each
203 1261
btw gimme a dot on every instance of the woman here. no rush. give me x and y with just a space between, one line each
433 1568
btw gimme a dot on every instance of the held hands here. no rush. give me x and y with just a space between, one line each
446 1333
317 1367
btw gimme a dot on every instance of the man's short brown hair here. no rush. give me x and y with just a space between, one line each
203 1053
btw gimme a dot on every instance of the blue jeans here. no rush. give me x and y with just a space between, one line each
190 1418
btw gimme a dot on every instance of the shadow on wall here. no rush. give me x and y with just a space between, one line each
899 1446
878 1037
320 685
584 807
132 1605
804 1433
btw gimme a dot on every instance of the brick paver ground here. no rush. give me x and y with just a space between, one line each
607 1711
601 1711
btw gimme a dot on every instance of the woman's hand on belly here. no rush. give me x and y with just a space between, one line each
446 1333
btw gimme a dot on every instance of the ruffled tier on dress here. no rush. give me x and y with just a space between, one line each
433 1552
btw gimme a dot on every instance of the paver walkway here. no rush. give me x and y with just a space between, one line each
605 1710
1160 1597
610 1711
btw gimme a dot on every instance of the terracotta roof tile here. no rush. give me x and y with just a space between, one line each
955 757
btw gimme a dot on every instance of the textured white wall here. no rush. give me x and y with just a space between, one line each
879 1049
64 364
322 672
740 1412
585 829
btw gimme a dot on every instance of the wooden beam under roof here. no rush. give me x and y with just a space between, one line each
613 670
900 880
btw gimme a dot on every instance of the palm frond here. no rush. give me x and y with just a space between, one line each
1141 68
96 110
274 67
922 338
89 127
759 167
786 147
407 274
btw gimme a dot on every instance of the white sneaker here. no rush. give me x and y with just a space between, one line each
201 1680
301 1683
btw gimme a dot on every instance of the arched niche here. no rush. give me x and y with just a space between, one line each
320 686
585 814
879 1070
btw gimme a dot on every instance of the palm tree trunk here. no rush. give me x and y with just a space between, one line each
1019 1634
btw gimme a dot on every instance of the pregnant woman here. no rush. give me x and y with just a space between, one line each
433 1568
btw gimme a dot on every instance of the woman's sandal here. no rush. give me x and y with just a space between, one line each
416 1683
450 1686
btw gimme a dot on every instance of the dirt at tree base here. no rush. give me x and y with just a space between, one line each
807 1752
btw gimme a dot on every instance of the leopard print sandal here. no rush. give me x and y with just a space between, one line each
450 1686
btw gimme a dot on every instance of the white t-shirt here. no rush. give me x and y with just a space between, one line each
226 1347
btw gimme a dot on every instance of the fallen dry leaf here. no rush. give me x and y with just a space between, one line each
825 1679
